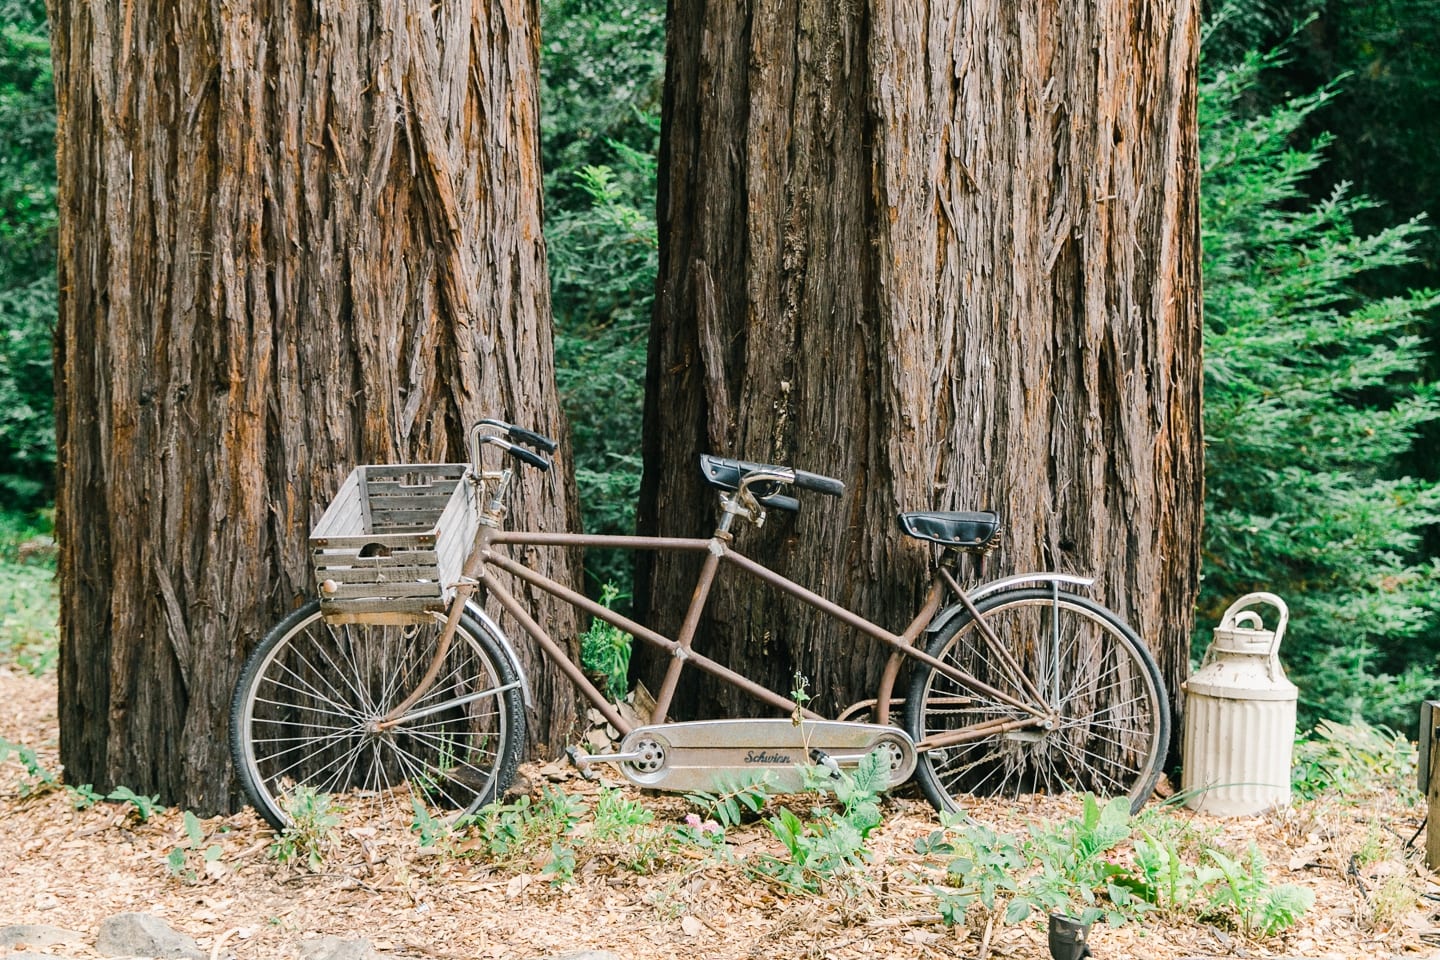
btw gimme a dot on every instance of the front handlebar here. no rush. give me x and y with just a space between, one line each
513 440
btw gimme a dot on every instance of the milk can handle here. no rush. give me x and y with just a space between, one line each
1228 621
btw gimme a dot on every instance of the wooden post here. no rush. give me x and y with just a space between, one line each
1429 777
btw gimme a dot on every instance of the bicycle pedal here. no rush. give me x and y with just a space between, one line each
822 759
582 762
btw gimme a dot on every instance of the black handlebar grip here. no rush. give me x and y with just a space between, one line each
534 459
778 501
819 483
540 441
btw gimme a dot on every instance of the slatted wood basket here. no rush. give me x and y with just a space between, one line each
392 544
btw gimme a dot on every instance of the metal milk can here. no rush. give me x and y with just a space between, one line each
1240 716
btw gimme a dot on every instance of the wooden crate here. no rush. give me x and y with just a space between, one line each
392 544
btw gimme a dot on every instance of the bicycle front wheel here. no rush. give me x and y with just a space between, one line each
307 712
1075 703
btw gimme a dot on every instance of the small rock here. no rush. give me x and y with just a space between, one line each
142 935
334 948
583 955
38 935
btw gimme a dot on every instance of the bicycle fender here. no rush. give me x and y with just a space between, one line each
489 624
1005 583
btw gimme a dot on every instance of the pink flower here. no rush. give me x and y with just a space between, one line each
692 820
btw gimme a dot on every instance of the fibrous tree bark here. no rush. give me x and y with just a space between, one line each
295 237
947 253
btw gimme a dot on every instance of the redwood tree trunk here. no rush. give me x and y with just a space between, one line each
294 237
949 255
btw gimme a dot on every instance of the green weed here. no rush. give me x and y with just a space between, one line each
1354 760
737 800
1080 867
831 844
38 779
191 858
314 830
605 648
142 806
1260 907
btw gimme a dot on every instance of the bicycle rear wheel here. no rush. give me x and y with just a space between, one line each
1093 714
305 710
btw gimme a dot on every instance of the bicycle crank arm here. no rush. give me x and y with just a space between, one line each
711 755
584 760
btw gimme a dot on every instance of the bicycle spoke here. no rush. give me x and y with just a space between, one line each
348 677
307 695
307 689
344 768
353 720
1105 716
325 744
400 679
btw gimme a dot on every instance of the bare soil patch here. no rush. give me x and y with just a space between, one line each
73 868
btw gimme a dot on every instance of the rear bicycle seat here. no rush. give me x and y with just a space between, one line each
962 529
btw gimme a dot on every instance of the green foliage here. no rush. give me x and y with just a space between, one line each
984 866
142 806
27 255
730 805
38 778
1164 878
1355 761
511 832
192 858
603 260
1313 393
617 817
613 827
602 66
1261 907
601 71
28 603
1075 868
84 796
1079 867
605 648
435 833
830 845
313 831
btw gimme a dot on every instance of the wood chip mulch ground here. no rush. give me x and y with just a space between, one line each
73 868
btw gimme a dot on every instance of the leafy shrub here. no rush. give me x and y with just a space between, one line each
831 844
1079 867
1354 760
314 829
29 608
601 69
27 255
1313 393
605 648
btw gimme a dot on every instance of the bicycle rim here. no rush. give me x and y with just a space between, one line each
305 713
1104 721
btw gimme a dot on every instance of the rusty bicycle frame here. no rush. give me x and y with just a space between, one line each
488 557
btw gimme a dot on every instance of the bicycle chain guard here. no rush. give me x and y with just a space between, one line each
711 755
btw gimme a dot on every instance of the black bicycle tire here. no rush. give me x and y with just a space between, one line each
511 708
939 795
